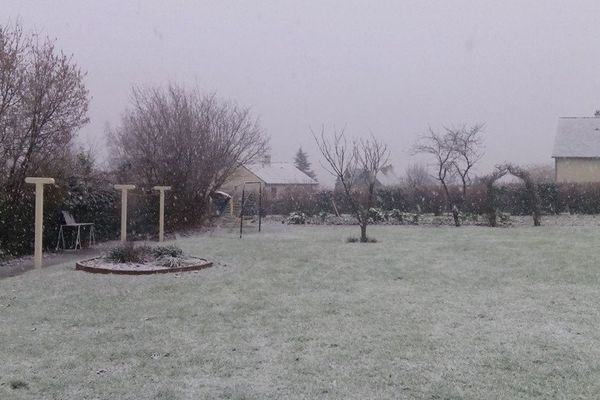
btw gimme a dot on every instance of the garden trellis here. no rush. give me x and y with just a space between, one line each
243 203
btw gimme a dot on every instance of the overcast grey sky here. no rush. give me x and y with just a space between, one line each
387 67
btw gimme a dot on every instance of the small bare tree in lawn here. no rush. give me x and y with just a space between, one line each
468 150
441 148
456 152
356 165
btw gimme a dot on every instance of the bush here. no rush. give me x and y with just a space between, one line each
169 261
376 215
126 253
129 253
297 218
166 251
395 214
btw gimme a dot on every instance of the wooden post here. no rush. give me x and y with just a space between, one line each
124 189
161 212
242 212
39 216
259 205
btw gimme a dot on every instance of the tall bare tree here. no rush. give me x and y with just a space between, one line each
468 148
185 139
43 102
356 165
455 151
441 148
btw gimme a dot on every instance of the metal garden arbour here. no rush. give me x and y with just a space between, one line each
259 183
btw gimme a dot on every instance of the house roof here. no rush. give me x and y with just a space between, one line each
280 174
385 177
577 137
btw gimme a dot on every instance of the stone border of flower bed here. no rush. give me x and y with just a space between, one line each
80 266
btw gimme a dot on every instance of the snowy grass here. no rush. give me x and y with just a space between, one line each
296 312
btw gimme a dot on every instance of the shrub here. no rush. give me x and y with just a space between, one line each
396 215
169 261
126 253
129 253
376 215
297 218
166 251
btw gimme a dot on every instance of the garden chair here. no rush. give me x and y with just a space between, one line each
71 223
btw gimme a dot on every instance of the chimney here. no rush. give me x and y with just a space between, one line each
266 161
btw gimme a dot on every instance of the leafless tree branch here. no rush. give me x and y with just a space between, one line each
356 166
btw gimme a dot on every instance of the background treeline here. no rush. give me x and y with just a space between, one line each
511 198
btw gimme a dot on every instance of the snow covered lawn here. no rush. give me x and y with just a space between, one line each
295 312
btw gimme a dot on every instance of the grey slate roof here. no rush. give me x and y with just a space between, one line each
577 137
280 174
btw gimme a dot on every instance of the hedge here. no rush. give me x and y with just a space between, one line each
512 199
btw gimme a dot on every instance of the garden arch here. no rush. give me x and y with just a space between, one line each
532 194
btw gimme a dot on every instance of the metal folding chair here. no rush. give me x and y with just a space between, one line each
70 222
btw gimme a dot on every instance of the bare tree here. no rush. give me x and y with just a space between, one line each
190 141
456 152
441 148
417 175
43 102
468 150
356 165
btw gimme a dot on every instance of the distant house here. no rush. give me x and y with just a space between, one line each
276 179
577 150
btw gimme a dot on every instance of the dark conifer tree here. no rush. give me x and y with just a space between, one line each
301 162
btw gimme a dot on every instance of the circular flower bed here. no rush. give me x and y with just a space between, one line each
141 260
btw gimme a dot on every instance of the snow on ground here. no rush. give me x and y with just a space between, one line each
296 312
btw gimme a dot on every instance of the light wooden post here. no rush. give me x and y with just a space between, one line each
161 212
124 189
39 216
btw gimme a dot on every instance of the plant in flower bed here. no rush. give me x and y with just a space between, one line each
169 256
138 260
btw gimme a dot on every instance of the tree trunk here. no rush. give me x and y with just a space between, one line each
363 233
455 215
492 218
534 201
451 204
491 203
